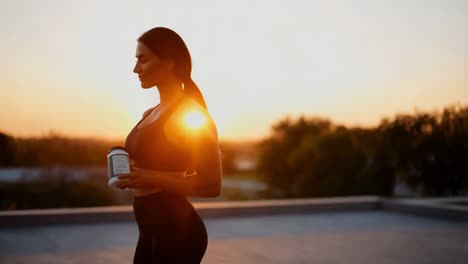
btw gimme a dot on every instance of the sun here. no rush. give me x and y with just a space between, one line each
194 119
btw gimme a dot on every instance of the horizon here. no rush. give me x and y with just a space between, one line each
67 66
53 133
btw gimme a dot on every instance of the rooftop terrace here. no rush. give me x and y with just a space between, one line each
336 230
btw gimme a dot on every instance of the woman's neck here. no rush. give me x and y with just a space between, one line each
169 92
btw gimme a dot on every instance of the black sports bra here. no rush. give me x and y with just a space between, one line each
165 145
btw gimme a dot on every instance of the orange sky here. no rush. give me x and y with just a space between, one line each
67 65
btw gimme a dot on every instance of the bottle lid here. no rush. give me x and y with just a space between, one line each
116 148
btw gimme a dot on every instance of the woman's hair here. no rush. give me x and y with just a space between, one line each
167 44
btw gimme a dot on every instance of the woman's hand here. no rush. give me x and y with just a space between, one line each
136 179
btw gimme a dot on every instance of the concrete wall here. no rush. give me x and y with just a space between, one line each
449 208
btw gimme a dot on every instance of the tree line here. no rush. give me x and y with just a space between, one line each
312 157
53 150
58 150
55 188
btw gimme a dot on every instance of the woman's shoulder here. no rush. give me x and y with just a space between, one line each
190 121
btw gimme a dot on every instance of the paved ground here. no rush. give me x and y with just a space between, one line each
351 237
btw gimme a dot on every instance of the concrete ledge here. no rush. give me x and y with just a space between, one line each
21 218
287 206
84 215
445 208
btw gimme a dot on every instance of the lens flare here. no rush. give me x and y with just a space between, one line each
194 119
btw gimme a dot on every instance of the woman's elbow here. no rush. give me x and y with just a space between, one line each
216 189
211 186
212 189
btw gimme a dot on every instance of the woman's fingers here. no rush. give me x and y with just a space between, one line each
130 175
133 179
127 184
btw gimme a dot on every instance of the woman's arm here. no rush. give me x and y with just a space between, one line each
205 182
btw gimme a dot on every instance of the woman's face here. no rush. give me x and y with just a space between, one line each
151 69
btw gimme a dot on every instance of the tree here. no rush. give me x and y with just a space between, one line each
7 150
313 157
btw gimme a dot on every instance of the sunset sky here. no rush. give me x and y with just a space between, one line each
66 66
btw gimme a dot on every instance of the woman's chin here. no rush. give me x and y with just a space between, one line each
146 86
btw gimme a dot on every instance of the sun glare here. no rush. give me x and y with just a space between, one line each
194 119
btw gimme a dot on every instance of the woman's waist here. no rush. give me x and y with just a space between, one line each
160 197
145 191
162 206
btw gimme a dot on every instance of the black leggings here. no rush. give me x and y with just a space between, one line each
181 241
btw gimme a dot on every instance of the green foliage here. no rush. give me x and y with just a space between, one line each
57 156
54 194
429 151
282 157
8 150
313 157
57 150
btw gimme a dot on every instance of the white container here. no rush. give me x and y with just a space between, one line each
118 162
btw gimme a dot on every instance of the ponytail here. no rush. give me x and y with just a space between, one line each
191 89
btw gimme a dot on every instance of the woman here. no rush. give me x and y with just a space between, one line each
172 158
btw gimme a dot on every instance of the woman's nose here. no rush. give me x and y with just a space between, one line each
136 69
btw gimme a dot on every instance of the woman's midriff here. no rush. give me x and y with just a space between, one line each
150 190
145 191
